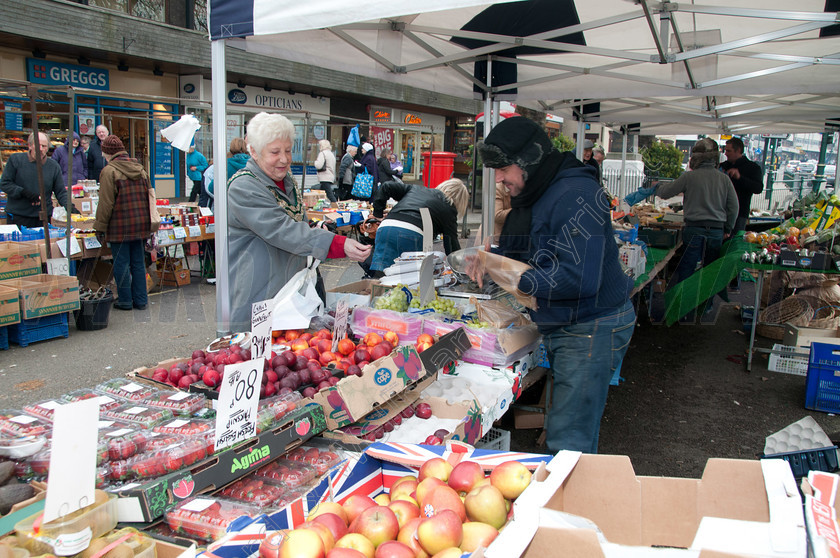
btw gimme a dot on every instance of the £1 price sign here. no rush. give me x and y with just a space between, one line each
239 394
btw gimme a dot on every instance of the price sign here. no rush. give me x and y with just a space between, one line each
260 329
236 411
58 266
205 211
210 228
91 243
195 230
180 232
340 327
75 248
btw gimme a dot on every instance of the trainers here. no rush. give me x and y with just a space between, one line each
211 280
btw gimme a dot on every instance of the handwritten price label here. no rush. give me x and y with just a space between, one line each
340 327
260 329
239 394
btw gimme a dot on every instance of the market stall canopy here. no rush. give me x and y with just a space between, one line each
732 66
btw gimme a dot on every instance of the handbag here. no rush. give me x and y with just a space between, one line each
362 186
298 301
153 212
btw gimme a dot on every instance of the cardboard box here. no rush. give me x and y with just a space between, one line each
492 347
19 259
176 278
148 501
9 305
86 205
355 396
803 336
42 295
356 294
743 508
820 490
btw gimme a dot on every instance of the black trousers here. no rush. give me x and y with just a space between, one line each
196 189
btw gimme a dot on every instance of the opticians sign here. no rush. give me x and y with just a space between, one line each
57 73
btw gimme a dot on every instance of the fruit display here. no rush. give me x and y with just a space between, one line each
322 460
438 305
397 299
21 424
161 461
443 511
186 427
124 442
291 473
261 492
125 389
281 405
181 403
106 402
43 409
140 415
207 518
124 543
158 440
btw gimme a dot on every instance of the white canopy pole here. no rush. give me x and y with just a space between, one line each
488 175
218 98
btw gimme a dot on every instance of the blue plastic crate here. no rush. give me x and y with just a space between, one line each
4 337
629 235
747 317
822 384
39 329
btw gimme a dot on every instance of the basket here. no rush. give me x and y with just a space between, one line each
788 360
496 439
826 317
794 310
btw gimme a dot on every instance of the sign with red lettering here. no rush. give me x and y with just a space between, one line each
383 138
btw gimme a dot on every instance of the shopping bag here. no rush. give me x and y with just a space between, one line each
362 186
153 212
298 301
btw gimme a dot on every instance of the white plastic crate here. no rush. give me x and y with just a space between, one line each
788 360
497 439
632 256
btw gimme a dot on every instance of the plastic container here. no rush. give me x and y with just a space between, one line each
181 403
260 492
186 427
407 326
4 338
487 343
71 533
106 402
802 462
142 545
159 462
158 440
93 314
43 409
788 360
126 389
291 473
124 442
496 439
39 329
209 518
281 404
322 460
140 415
22 424
822 385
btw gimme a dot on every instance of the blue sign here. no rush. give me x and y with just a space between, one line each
163 158
237 96
14 116
382 376
57 73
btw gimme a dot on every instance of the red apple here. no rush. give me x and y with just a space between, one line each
464 476
361 354
377 523
408 536
433 440
329 507
379 351
323 531
292 543
404 511
440 532
356 504
270 376
268 389
423 410
175 375
511 478
333 522
393 549
425 486
198 353
442 498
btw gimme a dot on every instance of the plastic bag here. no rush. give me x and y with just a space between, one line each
506 273
297 302
181 133
353 138
498 314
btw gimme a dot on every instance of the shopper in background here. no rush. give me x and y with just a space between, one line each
72 148
325 165
196 165
347 173
268 233
123 219
560 225
20 183
368 162
383 164
745 175
588 150
402 230
96 162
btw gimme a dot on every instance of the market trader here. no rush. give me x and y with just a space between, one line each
745 175
560 225
20 183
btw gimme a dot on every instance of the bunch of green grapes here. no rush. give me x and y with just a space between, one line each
439 305
395 300
476 323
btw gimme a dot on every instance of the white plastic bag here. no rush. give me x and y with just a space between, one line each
181 133
298 301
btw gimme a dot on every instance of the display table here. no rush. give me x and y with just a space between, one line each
657 259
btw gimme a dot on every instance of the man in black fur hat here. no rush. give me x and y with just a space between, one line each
560 225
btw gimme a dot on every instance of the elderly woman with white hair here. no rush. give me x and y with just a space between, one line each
402 230
325 165
269 235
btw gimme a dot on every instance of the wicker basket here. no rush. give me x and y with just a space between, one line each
794 310
826 317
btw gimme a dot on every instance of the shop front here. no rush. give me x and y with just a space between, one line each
407 134
78 98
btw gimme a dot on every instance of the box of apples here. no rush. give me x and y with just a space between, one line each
444 504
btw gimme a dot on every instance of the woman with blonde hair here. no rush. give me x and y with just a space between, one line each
325 165
402 230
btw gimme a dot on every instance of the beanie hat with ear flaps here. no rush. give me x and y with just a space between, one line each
516 141
112 144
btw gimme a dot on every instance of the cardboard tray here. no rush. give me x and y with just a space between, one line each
144 502
19 259
9 305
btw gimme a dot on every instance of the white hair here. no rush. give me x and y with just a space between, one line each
265 128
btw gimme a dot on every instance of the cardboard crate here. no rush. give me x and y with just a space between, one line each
42 295
358 293
796 336
492 347
743 508
19 259
147 501
9 305
177 278
821 511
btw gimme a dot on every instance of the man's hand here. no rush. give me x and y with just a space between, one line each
356 251
192 167
475 267
31 196
733 174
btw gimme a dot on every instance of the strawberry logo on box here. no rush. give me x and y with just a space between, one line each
183 488
303 426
